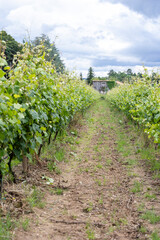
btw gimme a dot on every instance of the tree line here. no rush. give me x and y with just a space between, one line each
125 76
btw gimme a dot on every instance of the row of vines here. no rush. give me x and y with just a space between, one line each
140 101
36 103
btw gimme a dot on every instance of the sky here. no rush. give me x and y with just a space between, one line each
103 34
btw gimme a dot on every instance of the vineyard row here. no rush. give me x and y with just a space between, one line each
140 101
36 103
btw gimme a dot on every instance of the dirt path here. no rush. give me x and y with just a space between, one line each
95 196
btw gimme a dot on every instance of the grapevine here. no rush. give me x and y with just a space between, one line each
36 103
141 102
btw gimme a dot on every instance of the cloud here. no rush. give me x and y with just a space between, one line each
96 33
149 8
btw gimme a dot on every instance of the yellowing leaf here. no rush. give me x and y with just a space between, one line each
2 73
16 95
7 68
22 110
43 128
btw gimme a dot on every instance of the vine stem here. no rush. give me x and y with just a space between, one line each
10 167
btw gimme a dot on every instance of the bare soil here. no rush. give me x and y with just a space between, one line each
95 197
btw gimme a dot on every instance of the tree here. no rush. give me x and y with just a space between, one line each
90 76
129 72
81 77
121 76
139 74
10 46
52 52
112 74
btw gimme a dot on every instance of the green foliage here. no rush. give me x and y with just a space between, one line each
35 198
52 53
155 236
59 191
111 84
140 102
6 225
151 216
137 187
90 232
10 47
36 102
25 224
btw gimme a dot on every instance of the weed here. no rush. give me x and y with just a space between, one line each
6 225
132 174
126 153
100 200
51 166
123 221
147 154
89 207
65 211
155 165
137 187
131 162
143 229
75 132
104 181
100 142
151 216
58 191
155 236
35 198
150 196
106 138
86 170
59 155
94 170
90 233
156 176
70 140
57 170
141 207
137 149
96 148
111 229
25 224
74 217
99 165
80 170
98 181
120 145
108 162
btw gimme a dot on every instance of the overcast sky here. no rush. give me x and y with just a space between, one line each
104 34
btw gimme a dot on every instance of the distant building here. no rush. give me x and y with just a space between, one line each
101 85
